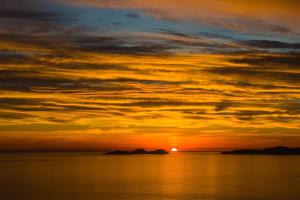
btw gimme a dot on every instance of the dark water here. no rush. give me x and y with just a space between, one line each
151 177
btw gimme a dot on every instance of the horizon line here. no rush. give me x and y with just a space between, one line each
104 151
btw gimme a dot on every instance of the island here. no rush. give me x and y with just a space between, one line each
279 150
138 151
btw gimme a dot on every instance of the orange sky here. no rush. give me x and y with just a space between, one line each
199 75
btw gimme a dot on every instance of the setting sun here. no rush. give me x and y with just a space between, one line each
174 149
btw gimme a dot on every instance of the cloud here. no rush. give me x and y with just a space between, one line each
20 81
124 49
17 16
13 116
278 15
274 61
291 106
272 68
223 105
271 44
28 15
132 15
142 79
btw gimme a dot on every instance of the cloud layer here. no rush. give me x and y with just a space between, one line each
69 82
278 15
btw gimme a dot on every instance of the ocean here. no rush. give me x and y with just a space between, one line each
177 176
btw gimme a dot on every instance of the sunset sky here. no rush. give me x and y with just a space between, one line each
93 75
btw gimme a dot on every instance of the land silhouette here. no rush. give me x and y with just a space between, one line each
137 151
279 150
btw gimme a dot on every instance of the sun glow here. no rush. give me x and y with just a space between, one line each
174 149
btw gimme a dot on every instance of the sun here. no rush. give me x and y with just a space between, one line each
174 149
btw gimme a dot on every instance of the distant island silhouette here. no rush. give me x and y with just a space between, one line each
279 150
137 151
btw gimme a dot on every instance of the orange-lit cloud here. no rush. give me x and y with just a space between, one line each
65 86
183 96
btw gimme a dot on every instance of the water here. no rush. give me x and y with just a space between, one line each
199 176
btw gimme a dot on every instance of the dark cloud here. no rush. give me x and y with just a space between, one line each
271 44
37 40
16 58
47 28
13 115
257 116
86 66
25 17
7 55
35 104
19 4
108 44
69 41
253 74
160 103
291 106
28 15
253 85
291 60
137 49
223 105
175 33
27 104
41 79
196 43
148 81
20 82
45 60
132 15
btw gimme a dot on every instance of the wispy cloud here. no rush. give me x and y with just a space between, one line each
270 15
63 74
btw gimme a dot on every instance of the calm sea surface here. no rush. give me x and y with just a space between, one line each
199 176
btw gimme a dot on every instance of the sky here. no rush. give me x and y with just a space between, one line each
96 75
